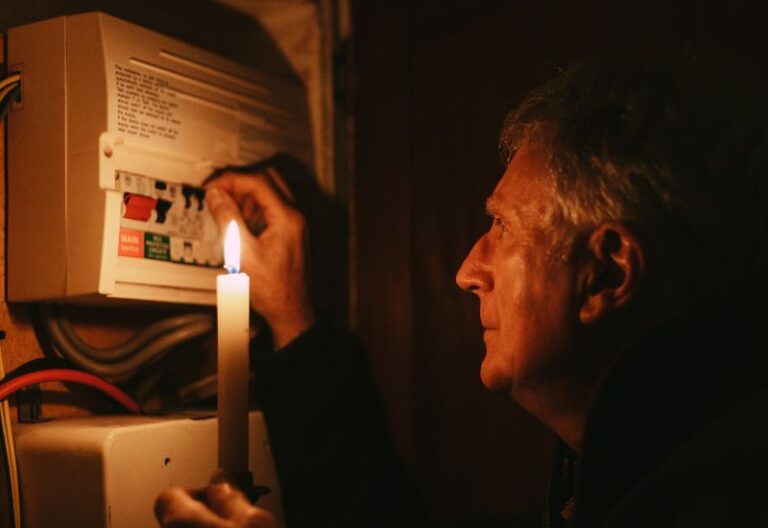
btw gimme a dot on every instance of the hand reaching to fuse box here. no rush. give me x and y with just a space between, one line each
273 237
218 505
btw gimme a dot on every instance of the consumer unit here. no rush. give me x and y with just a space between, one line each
116 130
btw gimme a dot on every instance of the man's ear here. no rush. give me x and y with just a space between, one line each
611 272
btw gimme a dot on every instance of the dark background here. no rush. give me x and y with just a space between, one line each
434 81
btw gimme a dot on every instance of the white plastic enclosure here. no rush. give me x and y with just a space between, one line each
106 471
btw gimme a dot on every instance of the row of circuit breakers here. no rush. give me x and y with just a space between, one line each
115 133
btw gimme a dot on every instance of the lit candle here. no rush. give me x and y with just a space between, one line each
233 310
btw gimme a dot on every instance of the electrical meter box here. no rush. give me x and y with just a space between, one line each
116 130
107 471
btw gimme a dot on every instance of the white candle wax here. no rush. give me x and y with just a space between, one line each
232 305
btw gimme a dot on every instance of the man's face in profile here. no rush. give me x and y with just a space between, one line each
525 285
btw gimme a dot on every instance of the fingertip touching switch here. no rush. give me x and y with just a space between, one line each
162 208
138 207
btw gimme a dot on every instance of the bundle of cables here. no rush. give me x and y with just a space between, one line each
10 87
123 361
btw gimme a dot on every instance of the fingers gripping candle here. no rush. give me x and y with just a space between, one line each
233 310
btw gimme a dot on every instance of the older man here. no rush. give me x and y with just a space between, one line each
620 288
622 291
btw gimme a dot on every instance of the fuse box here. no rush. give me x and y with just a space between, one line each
117 128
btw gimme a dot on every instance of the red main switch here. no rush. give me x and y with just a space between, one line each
138 207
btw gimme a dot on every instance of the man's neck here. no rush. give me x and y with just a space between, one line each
563 400
564 412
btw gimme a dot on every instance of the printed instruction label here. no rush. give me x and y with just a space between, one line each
145 106
199 116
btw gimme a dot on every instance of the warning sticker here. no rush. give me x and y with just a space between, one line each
131 243
157 247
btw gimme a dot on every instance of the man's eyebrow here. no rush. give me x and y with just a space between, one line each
494 207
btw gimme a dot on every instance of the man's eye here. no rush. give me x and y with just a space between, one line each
499 223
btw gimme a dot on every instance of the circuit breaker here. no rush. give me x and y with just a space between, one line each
116 130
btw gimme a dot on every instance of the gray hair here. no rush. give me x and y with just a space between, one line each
676 148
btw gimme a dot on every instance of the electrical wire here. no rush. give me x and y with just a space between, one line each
7 97
10 89
36 365
75 376
135 343
122 362
6 91
9 449
123 370
13 78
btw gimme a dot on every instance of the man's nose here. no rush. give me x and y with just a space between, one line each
472 275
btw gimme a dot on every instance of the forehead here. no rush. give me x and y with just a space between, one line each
522 191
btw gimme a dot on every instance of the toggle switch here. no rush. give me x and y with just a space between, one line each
200 195
138 207
187 192
162 208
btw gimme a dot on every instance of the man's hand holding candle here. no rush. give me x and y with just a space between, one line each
219 505
273 240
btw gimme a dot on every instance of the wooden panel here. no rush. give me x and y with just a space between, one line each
471 444
380 211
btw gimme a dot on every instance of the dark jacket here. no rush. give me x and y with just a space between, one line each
678 434
329 435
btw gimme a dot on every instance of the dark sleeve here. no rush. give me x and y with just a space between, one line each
336 463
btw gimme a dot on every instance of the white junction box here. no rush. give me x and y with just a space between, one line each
107 471
116 130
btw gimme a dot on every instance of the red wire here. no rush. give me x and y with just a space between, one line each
76 376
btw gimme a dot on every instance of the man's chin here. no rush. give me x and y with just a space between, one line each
493 378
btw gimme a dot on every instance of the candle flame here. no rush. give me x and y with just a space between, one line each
232 248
